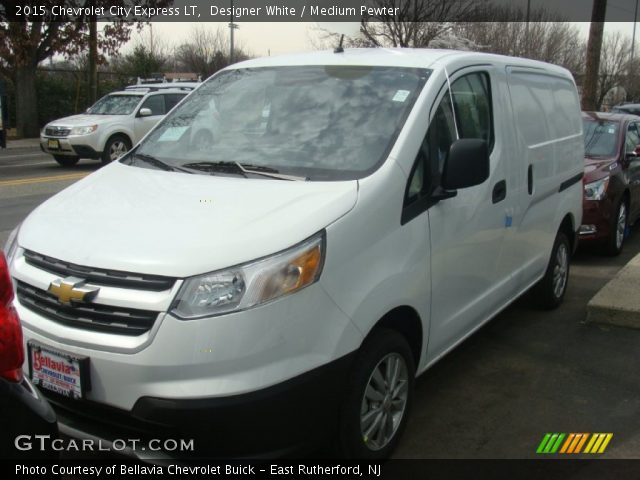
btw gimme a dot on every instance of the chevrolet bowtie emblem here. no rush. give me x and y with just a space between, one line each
72 289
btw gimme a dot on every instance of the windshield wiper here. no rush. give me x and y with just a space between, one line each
151 160
268 172
243 169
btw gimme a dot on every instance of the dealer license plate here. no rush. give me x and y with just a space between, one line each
58 371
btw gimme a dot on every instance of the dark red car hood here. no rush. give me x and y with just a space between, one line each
596 168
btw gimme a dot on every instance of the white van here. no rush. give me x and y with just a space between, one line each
356 216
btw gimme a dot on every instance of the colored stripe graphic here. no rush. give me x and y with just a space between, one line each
574 443
550 443
598 442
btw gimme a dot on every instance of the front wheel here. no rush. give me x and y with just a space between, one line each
549 292
377 404
116 146
615 241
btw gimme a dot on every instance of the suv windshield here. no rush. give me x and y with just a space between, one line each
115 105
600 138
313 122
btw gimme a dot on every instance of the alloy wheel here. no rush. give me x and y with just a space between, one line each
384 401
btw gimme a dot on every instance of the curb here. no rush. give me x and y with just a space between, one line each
618 302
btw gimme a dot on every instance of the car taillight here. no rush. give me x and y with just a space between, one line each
11 351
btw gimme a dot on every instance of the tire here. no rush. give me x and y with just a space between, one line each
115 147
65 161
550 291
359 438
619 224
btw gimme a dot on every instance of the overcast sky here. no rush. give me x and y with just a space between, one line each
264 38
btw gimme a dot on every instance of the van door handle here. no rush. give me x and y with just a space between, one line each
499 191
530 180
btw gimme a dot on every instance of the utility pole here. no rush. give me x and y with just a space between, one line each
630 70
232 27
594 48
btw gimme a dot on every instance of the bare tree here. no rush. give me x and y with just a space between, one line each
417 22
206 51
149 55
544 38
614 63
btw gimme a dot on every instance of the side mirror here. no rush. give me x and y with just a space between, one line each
467 164
145 112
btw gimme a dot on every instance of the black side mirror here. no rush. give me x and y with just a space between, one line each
467 164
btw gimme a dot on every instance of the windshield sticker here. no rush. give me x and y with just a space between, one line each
172 134
401 95
611 130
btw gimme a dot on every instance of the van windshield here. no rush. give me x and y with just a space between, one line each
600 138
313 122
115 105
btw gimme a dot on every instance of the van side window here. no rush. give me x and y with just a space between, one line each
427 170
472 99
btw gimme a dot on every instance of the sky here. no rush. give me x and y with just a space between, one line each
273 38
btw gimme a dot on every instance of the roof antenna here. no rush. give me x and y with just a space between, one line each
339 48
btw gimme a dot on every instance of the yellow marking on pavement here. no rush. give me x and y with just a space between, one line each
53 178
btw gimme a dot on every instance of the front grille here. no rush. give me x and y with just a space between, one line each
57 131
104 318
99 276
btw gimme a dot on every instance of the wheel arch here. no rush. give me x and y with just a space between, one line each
406 321
568 227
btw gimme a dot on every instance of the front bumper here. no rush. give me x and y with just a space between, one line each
70 147
597 220
283 420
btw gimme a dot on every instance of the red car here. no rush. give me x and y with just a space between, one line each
611 199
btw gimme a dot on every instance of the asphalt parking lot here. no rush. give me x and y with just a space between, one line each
526 373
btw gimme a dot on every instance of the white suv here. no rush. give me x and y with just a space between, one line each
112 125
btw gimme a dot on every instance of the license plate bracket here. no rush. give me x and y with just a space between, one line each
58 371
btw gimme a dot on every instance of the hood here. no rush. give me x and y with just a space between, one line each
597 168
175 224
83 119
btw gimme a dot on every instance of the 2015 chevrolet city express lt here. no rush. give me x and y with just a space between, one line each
350 219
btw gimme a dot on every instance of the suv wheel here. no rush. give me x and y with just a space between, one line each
65 161
549 292
116 146
618 230
377 404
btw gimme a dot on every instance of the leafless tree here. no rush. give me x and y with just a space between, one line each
417 22
614 61
543 38
207 51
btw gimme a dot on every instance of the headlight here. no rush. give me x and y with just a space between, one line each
252 284
11 247
596 190
83 130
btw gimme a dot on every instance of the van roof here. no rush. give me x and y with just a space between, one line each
393 57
